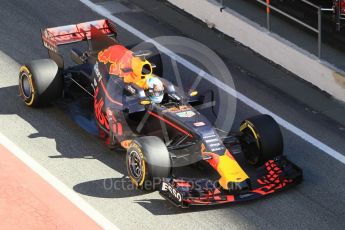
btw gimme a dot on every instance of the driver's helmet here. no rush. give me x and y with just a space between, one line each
155 90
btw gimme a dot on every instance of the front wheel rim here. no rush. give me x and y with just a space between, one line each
135 165
251 157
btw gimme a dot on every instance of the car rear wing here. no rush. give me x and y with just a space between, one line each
99 34
62 35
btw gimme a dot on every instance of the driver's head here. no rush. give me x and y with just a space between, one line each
155 90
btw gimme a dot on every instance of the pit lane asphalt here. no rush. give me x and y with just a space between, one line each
82 162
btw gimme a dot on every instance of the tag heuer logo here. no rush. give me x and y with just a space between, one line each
186 114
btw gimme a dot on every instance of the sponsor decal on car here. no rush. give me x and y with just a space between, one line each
98 106
245 195
168 188
177 109
130 89
186 114
199 124
216 149
215 145
209 136
97 72
212 140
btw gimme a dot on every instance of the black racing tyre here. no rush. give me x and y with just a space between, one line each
265 132
148 161
40 83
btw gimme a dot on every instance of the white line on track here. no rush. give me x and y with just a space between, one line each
57 184
292 128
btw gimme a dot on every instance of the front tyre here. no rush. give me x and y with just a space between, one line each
148 161
263 139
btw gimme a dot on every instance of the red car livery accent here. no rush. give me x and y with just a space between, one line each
119 57
98 106
116 126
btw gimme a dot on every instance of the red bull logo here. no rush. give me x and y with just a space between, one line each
123 63
120 59
98 106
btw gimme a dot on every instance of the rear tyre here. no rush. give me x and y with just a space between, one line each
264 140
148 161
40 83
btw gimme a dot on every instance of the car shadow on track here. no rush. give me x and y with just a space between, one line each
52 123
72 142
115 188
108 188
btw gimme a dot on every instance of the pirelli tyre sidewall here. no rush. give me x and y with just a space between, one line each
268 137
148 161
40 82
26 87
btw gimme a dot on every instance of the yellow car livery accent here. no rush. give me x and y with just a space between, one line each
124 64
141 68
229 171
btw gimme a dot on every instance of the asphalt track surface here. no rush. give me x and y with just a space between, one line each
84 164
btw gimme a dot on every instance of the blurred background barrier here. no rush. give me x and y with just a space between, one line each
279 35
317 26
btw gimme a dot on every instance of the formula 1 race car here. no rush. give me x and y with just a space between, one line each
136 109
